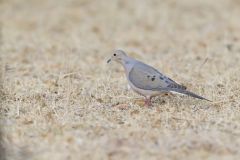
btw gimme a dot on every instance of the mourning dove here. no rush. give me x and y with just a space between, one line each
146 80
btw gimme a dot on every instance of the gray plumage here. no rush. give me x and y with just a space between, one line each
146 80
146 77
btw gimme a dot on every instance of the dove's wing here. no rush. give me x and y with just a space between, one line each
146 77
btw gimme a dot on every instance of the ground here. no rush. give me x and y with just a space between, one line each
61 100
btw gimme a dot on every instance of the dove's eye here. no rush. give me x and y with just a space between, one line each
114 54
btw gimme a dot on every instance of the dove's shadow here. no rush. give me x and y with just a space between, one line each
177 101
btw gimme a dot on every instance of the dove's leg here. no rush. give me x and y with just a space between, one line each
148 101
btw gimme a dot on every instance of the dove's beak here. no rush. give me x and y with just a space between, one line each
109 60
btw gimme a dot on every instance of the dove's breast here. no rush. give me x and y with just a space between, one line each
142 91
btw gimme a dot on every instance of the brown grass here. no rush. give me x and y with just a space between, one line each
60 100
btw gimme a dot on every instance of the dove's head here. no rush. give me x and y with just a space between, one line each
118 56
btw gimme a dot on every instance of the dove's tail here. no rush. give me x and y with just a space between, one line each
186 93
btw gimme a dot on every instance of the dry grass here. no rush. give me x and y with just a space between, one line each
60 100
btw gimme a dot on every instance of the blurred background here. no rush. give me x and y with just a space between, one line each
60 98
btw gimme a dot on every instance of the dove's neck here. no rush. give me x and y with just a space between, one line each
128 64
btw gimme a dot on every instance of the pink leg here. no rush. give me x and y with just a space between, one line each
148 101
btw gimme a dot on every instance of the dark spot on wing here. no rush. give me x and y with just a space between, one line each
167 81
161 78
